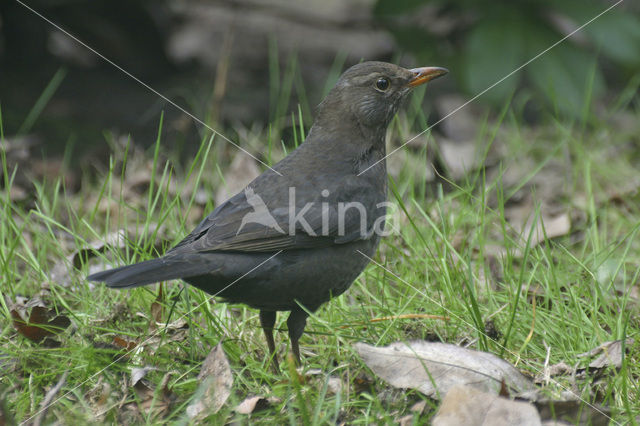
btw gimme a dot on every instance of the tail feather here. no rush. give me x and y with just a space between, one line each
143 273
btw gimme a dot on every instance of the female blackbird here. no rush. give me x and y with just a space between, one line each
302 232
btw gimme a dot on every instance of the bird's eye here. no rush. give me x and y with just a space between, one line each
382 84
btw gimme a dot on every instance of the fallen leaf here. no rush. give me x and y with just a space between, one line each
433 367
574 412
559 369
149 402
138 374
98 398
466 405
334 384
419 407
406 420
548 228
42 324
215 387
121 343
255 403
610 354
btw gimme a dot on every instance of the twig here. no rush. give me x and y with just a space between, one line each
44 405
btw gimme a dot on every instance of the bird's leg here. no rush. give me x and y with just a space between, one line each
296 322
267 321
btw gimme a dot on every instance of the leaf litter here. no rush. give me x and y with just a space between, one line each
216 381
474 386
41 325
433 367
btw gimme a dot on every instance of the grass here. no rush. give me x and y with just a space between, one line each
548 302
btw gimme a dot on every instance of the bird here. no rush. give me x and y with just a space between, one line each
302 231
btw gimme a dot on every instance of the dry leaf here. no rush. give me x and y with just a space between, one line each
610 354
121 343
138 374
149 402
334 384
255 403
98 398
433 368
552 227
419 407
465 405
575 412
42 324
215 387
559 369
406 420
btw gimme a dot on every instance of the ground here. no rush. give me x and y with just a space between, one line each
522 243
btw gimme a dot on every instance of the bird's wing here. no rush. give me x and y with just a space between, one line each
264 230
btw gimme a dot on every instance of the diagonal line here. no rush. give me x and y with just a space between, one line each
494 84
24 422
145 85
453 314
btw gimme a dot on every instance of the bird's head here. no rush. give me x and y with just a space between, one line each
371 92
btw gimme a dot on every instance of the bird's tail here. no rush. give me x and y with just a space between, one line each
143 273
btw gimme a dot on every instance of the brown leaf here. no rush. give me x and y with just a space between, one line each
98 398
42 323
433 368
149 402
215 387
575 412
465 405
155 402
121 343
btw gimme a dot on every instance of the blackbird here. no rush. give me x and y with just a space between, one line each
301 232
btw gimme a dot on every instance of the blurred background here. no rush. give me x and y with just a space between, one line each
246 65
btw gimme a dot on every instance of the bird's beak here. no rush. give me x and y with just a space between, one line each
424 74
